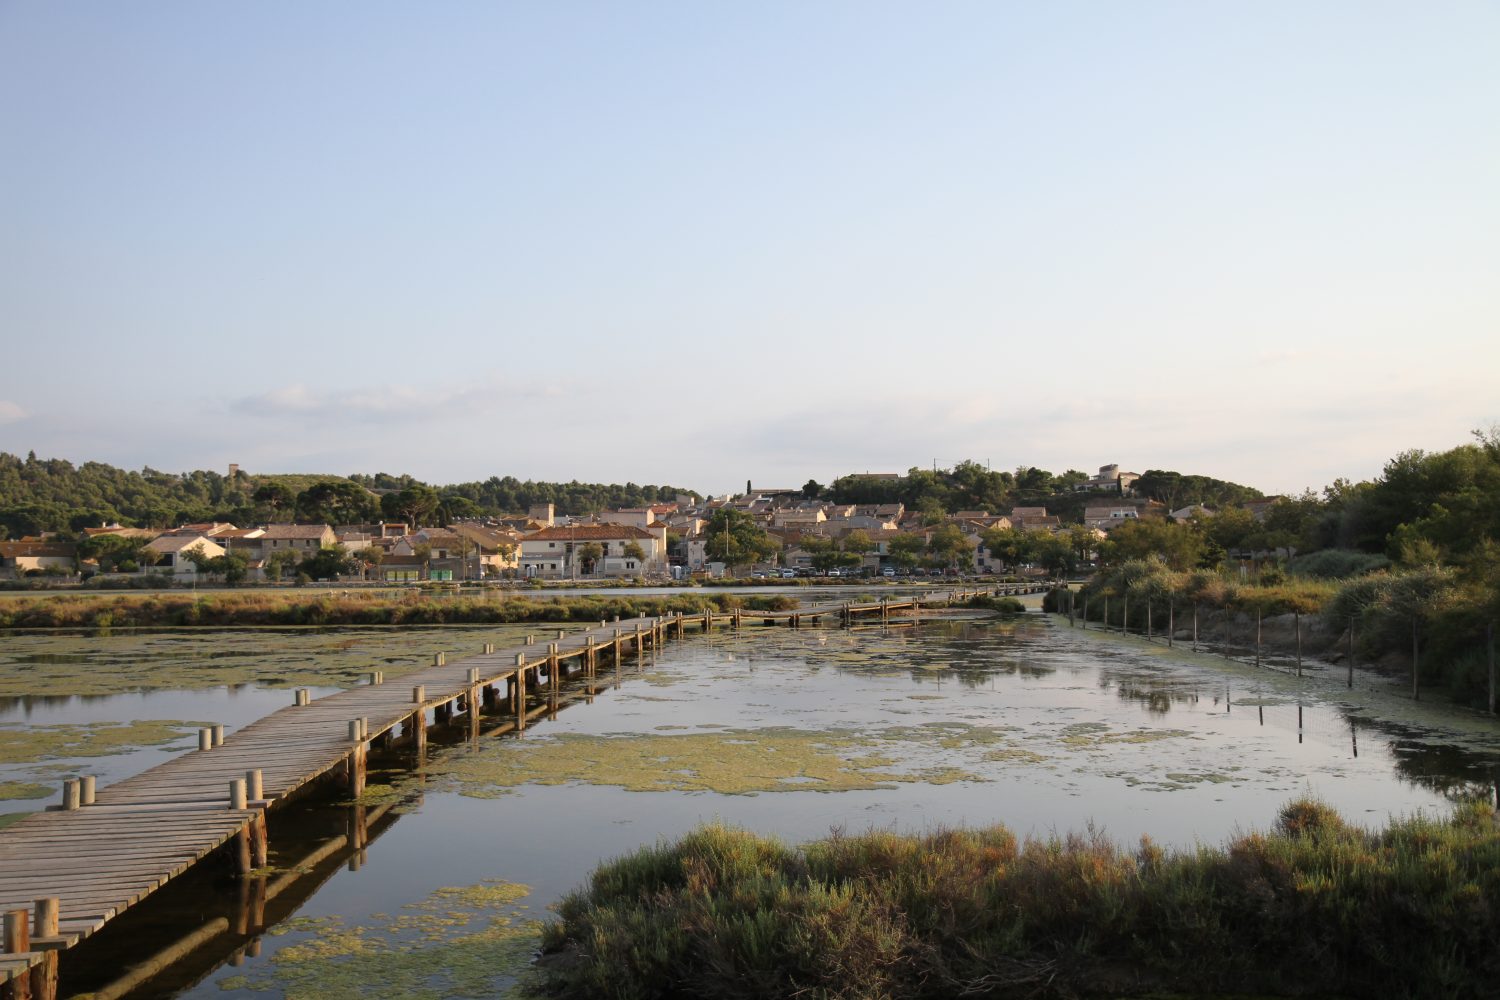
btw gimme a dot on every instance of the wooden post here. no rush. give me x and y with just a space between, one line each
1106 612
373 677
45 914
590 656
86 787
1171 621
520 698
218 734
17 932
438 659
255 788
1125 616
1350 682
1297 624
72 794
1085 612
419 694
1148 619
1257 636
417 723
1489 640
1416 694
237 801
1195 626
260 847
205 739
302 697
489 648
552 678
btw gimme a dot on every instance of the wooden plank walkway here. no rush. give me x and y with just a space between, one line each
66 872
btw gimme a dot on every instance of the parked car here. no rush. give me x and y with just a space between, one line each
888 571
787 574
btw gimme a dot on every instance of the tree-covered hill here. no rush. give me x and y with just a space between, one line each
39 495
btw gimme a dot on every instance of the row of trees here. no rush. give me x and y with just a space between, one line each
970 485
52 495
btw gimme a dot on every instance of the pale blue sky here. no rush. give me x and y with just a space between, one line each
701 243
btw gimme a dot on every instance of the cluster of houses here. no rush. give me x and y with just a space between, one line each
660 540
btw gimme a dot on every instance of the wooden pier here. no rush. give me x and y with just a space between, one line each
66 872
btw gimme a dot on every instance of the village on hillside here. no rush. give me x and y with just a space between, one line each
789 534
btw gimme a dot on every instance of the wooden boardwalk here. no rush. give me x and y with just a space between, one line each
67 872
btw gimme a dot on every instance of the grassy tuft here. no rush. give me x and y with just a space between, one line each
1313 906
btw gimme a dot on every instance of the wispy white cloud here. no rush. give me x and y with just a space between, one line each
11 412
383 403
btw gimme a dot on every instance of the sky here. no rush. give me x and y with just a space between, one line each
700 244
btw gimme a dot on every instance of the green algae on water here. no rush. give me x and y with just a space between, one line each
25 745
461 941
23 790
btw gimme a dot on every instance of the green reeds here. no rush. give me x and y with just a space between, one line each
1315 905
289 608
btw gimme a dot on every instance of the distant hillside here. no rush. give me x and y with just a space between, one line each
54 495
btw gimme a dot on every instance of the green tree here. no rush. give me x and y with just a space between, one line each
588 555
329 563
906 550
410 505
949 546
812 489
278 562
336 501
277 498
734 539
1178 545
633 550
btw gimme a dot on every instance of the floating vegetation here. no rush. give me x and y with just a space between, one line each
24 790
461 941
50 666
1097 735
24 745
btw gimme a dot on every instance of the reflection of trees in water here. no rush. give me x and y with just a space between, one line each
1453 772
1154 693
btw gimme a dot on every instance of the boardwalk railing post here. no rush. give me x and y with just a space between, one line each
489 648
419 694
45 913
72 794
302 697
205 739
438 659
17 932
86 786
238 794
255 789
218 734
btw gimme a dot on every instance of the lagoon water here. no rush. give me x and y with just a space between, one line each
1028 723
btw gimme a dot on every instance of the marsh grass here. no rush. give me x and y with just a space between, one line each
353 608
1313 906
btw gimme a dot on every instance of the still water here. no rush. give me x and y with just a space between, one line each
1043 728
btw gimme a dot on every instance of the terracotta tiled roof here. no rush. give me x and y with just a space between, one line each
588 532
287 531
13 550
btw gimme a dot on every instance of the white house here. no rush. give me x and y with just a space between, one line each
172 550
551 552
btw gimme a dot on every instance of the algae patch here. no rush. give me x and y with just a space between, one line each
26 745
461 941
23 790
737 761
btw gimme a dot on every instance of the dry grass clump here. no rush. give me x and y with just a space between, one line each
1312 906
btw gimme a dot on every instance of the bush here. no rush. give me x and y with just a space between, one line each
1336 564
1316 906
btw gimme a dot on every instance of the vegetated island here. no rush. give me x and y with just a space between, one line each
292 608
1313 907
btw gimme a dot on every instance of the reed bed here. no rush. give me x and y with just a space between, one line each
1315 906
283 608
